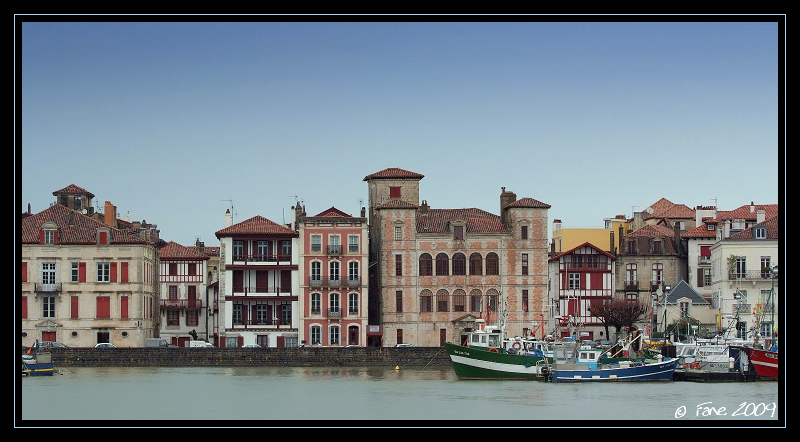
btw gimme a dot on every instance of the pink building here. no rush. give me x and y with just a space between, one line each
333 262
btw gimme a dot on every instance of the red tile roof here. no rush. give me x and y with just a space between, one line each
652 231
333 212
393 172
773 232
700 231
176 251
556 257
73 228
257 225
73 189
477 221
529 203
397 204
743 212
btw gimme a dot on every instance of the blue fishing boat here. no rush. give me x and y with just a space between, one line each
35 363
586 365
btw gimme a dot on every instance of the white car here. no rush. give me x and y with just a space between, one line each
251 346
105 345
403 345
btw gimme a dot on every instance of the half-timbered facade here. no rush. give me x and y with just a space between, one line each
580 278
259 282
183 304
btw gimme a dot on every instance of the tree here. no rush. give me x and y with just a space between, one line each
619 313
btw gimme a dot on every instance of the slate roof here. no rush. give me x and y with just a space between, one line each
477 221
73 228
393 172
529 203
684 290
257 225
175 251
773 227
73 189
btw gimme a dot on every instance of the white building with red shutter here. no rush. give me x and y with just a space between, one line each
259 284
580 278
334 253
84 281
183 304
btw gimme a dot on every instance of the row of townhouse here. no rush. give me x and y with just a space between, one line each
685 265
408 273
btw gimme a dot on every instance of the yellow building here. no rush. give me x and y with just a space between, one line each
606 238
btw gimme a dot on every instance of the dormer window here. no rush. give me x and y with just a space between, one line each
458 233
657 247
711 227
760 232
49 236
48 233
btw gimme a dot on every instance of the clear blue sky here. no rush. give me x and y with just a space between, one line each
169 120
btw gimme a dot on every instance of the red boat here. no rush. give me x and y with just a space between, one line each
764 362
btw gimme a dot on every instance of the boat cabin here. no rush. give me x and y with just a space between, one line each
484 336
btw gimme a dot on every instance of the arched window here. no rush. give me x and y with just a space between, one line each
425 265
459 264
459 300
426 301
442 265
492 264
441 300
475 300
475 264
492 297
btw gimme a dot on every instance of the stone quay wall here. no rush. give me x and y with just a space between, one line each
250 357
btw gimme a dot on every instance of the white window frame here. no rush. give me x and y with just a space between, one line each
398 233
574 281
315 335
48 306
352 303
75 271
353 244
104 272
48 273
334 333
316 303
316 243
49 236
334 271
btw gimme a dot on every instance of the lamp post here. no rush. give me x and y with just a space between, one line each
772 340
667 289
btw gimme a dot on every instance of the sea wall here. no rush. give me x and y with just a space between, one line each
249 357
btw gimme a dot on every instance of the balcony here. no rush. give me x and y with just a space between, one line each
588 265
267 259
750 275
261 290
335 250
334 313
47 288
741 308
325 282
631 285
354 282
181 303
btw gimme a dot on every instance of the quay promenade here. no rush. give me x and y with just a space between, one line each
250 357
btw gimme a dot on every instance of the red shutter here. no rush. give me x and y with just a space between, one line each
597 281
240 341
55 237
82 272
123 307
286 281
281 342
124 272
24 307
24 272
74 307
113 272
394 192
103 237
103 307
700 277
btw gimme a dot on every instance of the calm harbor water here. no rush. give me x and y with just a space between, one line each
371 396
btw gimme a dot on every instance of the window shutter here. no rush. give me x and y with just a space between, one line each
113 272
74 307
24 272
103 237
55 237
700 277
123 305
24 307
124 272
103 307
82 272
41 236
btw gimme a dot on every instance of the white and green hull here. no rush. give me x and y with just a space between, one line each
479 363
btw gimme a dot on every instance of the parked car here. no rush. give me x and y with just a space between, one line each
50 344
403 345
251 346
105 345
352 346
156 342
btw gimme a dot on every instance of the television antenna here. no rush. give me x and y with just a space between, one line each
233 211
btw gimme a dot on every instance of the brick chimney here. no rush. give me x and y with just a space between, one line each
506 198
110 215
423 208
